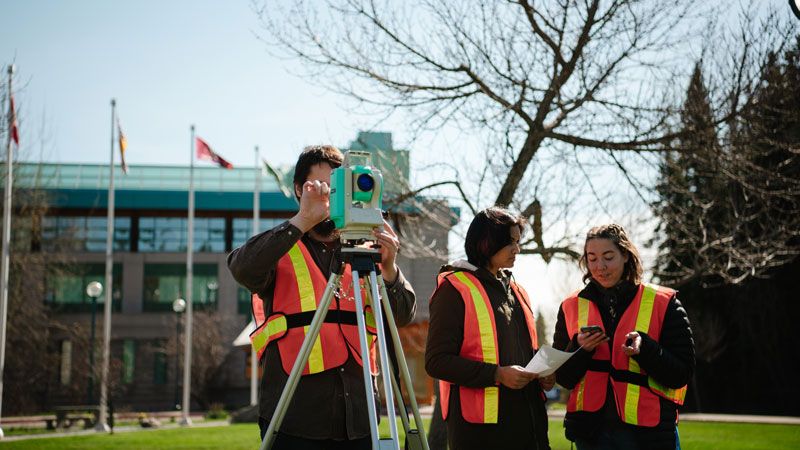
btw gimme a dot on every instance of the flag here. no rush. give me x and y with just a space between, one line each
13 120
277 176
123 144
204 152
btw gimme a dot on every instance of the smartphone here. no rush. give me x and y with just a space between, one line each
591 329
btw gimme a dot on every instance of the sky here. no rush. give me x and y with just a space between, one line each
176 63
169 65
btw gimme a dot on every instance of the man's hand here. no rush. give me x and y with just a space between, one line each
513 377
389 245
314 205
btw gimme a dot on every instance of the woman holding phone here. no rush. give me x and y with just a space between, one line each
482 332
635 351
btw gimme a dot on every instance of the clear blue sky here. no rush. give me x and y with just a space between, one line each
169 64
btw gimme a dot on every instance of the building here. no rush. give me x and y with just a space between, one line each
150 272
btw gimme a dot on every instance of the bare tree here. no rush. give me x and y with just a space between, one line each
729 202
563 91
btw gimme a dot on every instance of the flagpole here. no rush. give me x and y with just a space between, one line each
256 228
187 359
102 422
6 244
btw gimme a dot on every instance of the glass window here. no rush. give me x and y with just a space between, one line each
159 367
169 234
21 234
163 283
66 286
80 233
128 360
243 297
243 228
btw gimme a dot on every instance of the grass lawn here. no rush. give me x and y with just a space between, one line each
694 436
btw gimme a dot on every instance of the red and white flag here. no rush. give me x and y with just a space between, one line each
13 120
204 152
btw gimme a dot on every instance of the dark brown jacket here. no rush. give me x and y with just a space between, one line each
522 418
327 405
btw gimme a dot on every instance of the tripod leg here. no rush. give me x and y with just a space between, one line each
300 362
384 357
362 339
401 361
398 394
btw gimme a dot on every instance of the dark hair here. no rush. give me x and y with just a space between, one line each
616 234
310 157
488 233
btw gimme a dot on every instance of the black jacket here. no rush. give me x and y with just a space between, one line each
670 361
522 418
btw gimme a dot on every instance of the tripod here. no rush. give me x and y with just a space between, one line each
363 264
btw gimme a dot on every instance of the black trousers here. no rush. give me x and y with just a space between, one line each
288 442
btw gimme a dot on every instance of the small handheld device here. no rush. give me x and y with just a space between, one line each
591 329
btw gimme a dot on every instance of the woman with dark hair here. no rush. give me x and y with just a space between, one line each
482 331
635 351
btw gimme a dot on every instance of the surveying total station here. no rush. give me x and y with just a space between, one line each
355 208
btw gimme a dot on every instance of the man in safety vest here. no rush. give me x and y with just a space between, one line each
287 268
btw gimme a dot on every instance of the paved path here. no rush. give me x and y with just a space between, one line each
702 417
427 411
124 429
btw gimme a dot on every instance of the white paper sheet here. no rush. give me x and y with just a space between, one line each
547 360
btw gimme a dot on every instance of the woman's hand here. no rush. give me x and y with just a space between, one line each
633 343
513 377
548 382
590 340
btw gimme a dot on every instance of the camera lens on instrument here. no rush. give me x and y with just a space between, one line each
365 182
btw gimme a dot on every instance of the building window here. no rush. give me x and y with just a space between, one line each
159 367
244 302
128 360
66 286
243 228
64 233
65 368
169 234
163 283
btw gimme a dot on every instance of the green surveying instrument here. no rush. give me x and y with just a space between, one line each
355 206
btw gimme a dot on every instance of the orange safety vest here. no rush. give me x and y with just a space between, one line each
299 286
480 405
637 395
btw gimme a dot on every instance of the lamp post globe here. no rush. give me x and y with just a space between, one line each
179 305
94 289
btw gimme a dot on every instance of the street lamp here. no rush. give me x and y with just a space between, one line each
179 305
93 290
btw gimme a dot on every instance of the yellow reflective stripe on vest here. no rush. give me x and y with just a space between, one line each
643 318
676 395
275 326
583 320
491 404
484 321
308 302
